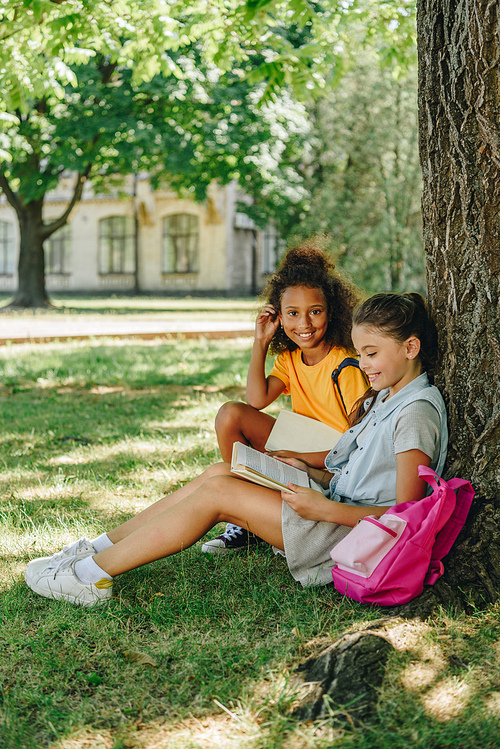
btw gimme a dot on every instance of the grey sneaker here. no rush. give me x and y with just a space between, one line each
58 580
234 538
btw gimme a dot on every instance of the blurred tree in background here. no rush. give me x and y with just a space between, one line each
185 131
194 91
363 177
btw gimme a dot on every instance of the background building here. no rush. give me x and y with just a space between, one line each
146 240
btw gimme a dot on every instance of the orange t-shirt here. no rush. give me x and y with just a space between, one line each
312 390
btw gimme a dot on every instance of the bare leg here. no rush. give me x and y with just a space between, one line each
220 498
151 512
239 422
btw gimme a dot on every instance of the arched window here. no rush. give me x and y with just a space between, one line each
180 243
116 245
6 248
57 251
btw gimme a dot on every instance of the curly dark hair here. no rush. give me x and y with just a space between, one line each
307 264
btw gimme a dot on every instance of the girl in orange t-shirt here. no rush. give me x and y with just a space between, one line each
306 320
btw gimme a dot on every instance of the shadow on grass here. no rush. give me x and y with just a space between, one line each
43 420
213 628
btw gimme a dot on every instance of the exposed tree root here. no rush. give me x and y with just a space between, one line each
343 680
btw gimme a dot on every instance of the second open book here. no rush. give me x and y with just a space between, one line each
300 434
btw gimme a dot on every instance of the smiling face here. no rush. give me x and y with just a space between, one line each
304 316
386 362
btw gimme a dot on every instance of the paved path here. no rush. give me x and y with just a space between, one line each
40 329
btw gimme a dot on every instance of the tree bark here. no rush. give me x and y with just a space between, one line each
459 106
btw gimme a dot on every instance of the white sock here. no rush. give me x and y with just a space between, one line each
102 542
88 571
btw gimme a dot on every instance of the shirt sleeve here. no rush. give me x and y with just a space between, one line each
280 370
418 427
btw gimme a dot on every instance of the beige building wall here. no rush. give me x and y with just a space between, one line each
230 246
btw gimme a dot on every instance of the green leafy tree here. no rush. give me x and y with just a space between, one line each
186 131
47 45
40 39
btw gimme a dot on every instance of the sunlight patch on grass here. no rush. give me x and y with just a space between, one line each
205 733
87 739
417 639
447 699
418 675
492 703
60 491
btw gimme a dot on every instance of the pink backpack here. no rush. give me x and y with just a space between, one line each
388 560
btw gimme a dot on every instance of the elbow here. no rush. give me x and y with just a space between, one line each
256 403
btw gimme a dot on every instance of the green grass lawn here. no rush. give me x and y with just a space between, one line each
194 651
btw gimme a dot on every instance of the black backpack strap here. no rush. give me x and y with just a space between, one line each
349 361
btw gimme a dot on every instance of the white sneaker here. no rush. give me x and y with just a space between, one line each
58 580
79 549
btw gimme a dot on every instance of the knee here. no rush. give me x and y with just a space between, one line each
218 490
217 469
229 415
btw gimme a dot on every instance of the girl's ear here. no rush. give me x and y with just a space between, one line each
412 347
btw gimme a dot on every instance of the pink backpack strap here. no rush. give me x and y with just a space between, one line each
432 478
448 534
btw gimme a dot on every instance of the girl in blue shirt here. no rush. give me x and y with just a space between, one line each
399 424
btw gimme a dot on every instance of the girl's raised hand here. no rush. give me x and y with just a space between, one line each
267 323
307 503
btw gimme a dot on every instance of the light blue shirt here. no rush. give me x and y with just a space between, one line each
364 471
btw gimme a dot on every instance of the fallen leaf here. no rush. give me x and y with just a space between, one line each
143 659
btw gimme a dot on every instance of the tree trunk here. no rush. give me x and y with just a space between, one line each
33 232
459 106
31 288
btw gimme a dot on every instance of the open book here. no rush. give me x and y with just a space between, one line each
301 434
254 466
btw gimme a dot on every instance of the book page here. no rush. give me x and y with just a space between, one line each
270 467
301 434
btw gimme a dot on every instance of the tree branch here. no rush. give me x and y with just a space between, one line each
10 194
53 226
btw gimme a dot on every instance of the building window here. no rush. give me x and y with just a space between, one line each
57 251
116 245
272 249
6 248
180 243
